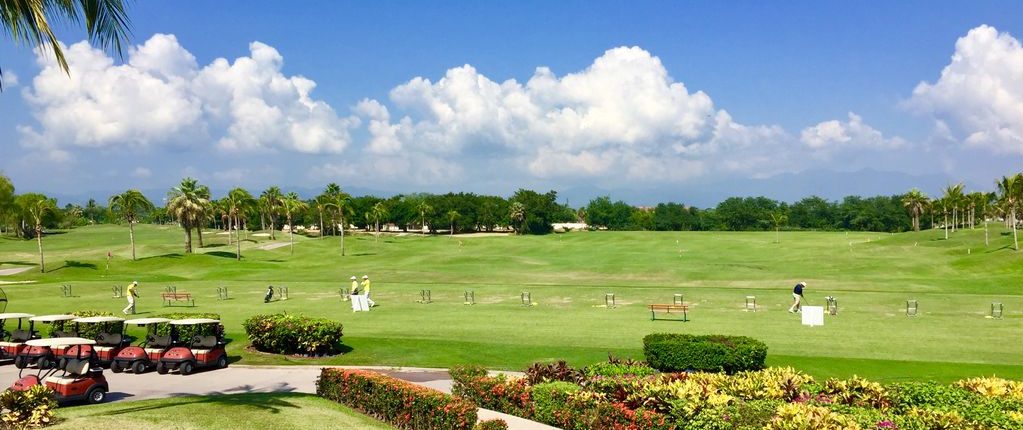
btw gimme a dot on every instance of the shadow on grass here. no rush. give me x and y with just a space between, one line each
74 265
223 254
243 395
172 255
19 263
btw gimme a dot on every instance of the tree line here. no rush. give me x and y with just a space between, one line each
192 206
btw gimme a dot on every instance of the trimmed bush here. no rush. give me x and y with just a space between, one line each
87 331
402 404
610 370
31 408
186 333
495 424
675 352
291 334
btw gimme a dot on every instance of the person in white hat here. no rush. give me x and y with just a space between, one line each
132 294
797 296
365 290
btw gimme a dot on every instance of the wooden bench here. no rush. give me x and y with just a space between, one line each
668 310
170 298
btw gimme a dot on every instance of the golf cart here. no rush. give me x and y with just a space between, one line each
144 356
205 349
109 337
13 342
80 379
43 355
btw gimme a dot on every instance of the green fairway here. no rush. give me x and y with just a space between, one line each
871 274
239 411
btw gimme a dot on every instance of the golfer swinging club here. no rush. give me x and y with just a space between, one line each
797 296
132 294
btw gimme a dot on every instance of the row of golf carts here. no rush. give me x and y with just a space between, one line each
168 345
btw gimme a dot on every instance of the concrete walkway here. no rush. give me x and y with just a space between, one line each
240 379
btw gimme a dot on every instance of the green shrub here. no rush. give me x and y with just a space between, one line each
27 409
549 398
402 404
290 334
674 352
496 424
88 331
909 395
611 370
186 333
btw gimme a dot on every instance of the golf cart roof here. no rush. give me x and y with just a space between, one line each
95 320
195 321
52 318
15 316
60 341
146 321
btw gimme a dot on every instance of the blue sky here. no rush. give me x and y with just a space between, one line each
783 99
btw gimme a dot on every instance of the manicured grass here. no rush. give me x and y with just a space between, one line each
871 275
277 411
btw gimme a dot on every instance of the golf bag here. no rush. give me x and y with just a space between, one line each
269 294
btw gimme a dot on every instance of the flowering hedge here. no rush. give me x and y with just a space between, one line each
402 404
772 399
290 334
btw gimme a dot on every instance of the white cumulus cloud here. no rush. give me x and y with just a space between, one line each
623 116
160 95
979 94
854 133
9 79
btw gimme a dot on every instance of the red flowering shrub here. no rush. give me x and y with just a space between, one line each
498 393
402 404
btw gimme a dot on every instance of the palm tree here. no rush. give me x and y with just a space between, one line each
954 198
778 219
270 201
453 216
130 204
915 201
342 203
942 205
379 211
28 22
186 204
985 211
1010 189
237 202
292 204
517 213
206 211
423 208
321 204
37 207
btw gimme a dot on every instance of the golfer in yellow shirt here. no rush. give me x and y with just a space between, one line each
132 294
365 290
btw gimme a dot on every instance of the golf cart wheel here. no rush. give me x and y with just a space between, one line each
96 395
138 367
116 367
20 362
44 363
186 368
222 362
161 368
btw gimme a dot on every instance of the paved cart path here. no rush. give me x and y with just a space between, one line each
262 379
14 271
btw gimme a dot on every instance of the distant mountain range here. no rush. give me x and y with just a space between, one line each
788 187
